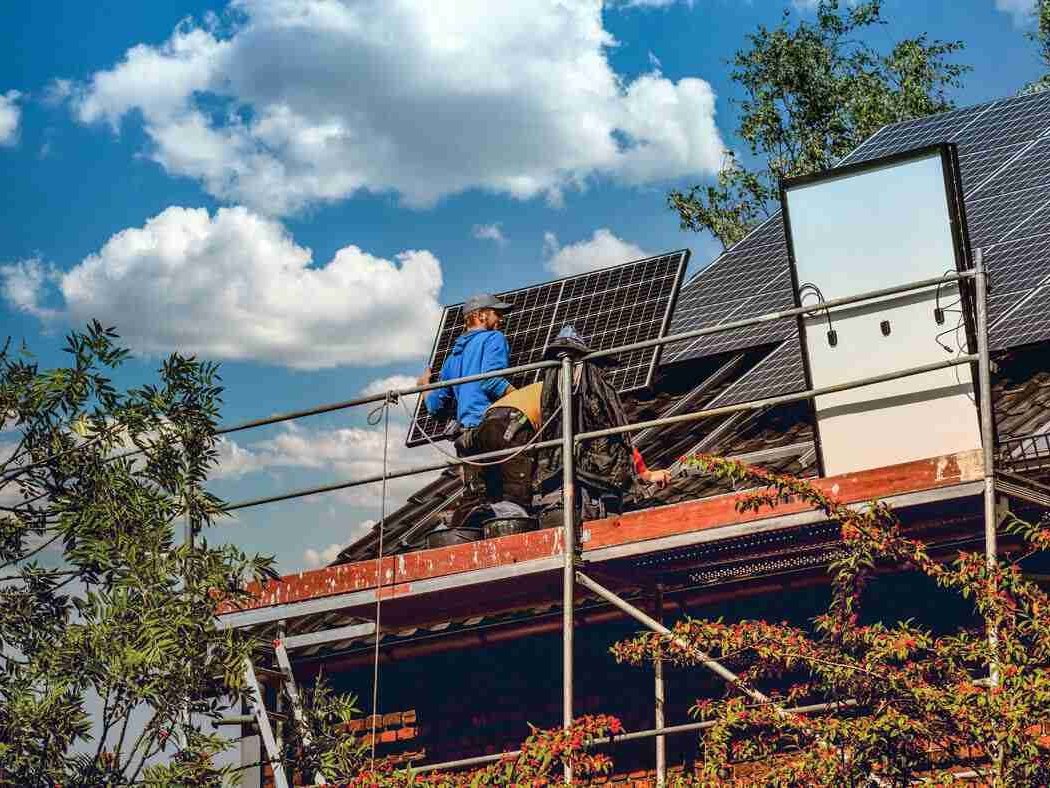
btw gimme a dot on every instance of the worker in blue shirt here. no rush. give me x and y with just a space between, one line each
482 347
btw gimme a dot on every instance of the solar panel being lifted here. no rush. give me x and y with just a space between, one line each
1004 162
609 308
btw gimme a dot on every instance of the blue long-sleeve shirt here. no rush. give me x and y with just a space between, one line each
474 352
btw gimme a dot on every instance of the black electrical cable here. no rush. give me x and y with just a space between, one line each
937 297
809 287
953 330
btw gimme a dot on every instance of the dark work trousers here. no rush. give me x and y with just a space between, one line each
511 480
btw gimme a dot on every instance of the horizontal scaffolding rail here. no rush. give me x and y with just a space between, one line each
688 727
695 333
635 427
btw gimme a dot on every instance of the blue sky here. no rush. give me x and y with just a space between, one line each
293 187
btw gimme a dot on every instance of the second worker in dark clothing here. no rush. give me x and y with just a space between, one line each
514 419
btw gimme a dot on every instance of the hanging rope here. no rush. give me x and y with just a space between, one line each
381 412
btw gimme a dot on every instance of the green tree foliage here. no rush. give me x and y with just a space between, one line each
812 93
1041 37
323 743
111 666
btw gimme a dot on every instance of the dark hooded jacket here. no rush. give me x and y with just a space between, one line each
605 464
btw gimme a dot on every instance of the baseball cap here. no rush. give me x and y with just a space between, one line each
485 301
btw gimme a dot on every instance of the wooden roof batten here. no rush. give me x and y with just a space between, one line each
495 574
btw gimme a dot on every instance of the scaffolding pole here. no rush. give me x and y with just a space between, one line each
569 546
984 377
670 730
635 427
658 691
706 660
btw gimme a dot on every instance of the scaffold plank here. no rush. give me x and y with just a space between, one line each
721 511
506 558
404 568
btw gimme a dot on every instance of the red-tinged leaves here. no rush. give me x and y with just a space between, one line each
921 702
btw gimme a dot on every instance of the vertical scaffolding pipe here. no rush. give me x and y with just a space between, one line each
984 378
658 716
568 473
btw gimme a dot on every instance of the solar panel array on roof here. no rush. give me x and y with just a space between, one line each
778 373
1004 159
609 308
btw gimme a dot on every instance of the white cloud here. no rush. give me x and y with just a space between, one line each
57 92
489 232
601 250
345 454
236 286
394 383
315 559
1022 11
24 283
308 101
235 461
10 115
391 383
342 454
157 80
10 493
324 557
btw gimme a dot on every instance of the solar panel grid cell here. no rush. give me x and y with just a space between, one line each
763 288
1011 121
735 278
992 219
1029 320
754 336
1033 226
977 165
919 133
1002 305
769 232
778 373
1029 169
1016 264
609 307
777 296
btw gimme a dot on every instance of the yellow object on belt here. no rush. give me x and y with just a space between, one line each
526 400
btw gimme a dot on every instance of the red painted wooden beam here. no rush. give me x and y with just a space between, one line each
720 510
705 513
405 568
